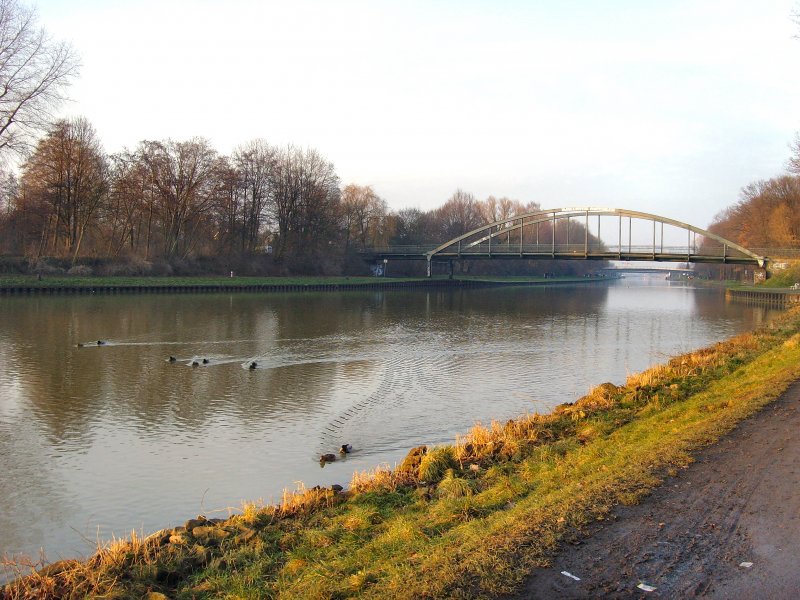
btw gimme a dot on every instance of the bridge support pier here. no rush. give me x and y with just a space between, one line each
450 276
429 267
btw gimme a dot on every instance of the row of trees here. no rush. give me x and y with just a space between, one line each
173 200
767 214
167 199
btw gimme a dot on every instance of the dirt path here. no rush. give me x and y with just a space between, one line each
739 503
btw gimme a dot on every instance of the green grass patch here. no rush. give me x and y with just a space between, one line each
785 278
468 519
68 281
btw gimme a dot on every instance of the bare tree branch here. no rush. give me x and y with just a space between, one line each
34 74
794 160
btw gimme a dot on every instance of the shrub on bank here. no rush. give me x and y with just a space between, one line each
44 267
81 271
13 265
133 266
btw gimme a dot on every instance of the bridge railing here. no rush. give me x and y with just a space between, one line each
706 250
496 248
515 248
778 253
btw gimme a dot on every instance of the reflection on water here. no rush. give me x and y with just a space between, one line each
103 439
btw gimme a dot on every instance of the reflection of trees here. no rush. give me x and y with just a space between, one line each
709 302
31 490
522 305
68 388
37 331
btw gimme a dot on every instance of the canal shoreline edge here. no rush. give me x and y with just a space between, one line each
761 364
343 286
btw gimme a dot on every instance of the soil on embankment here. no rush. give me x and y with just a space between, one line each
694 536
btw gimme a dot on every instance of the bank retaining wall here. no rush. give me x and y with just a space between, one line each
777 298
210 288
44 289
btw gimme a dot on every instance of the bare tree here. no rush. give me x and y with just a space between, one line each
34 72
305 201
10 235
494 210
365 217
9 188
128 214
460 214
68 175
183 180
767 214
794 160
254 163
229 228
414 227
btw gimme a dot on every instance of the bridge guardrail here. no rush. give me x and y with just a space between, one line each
543 249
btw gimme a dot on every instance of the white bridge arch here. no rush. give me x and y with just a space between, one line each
493 240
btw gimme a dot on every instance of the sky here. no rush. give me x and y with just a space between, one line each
669 107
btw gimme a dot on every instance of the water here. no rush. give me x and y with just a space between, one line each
102 440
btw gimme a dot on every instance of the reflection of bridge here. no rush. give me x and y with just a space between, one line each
545 234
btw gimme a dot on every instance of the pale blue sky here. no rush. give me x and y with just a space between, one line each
667 107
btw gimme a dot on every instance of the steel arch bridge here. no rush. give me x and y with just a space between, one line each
534 236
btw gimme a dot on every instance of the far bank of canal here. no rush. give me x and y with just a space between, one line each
782 298
27 284
107 439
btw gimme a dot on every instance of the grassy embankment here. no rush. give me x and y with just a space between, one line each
785 278
69 281
463 520
177 282
530 279
779 280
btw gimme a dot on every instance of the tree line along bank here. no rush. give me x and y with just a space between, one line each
173 206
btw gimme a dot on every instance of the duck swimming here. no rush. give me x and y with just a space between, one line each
345 449
253 365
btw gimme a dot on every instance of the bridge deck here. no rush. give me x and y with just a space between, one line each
561 252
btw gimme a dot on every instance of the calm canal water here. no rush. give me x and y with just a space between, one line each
97 441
